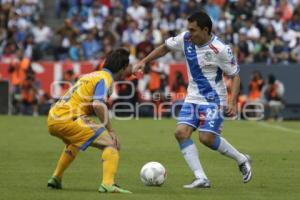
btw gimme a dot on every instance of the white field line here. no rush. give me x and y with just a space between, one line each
278 127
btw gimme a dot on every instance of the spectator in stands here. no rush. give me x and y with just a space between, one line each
179 88
28 47
244 49
252 32
192 6
286 10
68 35
16 20
242 8
75 52
137 12
42 35
8 54
255 86
181 22
261 51
294 24
91 47
68 80
269 33
273 93
79 10
213 10
289 36
29 95
18 71
279 51
145 46
96 16
132 35
277 24
295 54
264 12
168 23
63 5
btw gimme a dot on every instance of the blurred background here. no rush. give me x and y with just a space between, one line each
46 45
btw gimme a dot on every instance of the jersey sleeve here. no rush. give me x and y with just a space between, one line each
227 62
101 91
175 43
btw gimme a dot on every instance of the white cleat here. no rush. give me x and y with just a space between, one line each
245 169
198 183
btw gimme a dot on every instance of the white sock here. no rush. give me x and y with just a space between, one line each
228 150
190 154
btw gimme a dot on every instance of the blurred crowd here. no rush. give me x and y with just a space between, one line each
265 97
259 31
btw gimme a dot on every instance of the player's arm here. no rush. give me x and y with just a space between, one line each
229 66
171 44
156 53
99 104
101 112
235 90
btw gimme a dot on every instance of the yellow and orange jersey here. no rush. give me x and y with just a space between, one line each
77 101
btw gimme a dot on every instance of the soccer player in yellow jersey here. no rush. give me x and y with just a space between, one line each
69 119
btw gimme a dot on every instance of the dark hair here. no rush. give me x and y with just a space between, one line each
117 60
272 79
202 19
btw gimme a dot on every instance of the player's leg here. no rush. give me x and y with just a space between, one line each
210 128
67 132
110 145
68 155
187 122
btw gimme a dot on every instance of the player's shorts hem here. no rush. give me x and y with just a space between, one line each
207 130
187 123
85 145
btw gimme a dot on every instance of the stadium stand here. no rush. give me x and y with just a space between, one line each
262 31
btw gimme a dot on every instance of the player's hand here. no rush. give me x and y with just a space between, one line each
115 138
138 67
231 110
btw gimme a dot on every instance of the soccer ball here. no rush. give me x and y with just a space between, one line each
153 174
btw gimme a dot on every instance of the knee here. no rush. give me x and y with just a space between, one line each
207 139
181 135
115 143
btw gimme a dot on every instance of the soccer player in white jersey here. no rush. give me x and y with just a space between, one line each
207 58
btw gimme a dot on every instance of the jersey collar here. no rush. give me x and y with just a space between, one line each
207 43
107 70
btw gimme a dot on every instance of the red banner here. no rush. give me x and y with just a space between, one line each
47 71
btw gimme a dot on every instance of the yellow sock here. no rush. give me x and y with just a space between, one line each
66 158
110 158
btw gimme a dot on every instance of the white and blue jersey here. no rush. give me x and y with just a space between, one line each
205 67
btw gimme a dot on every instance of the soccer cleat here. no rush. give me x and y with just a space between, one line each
112 189
198 183
54 183
245 169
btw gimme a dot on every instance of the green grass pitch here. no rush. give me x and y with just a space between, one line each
28 157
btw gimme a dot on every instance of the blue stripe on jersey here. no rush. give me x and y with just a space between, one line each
85 145
204 87
100 91
219 75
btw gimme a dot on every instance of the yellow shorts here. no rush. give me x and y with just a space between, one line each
80 132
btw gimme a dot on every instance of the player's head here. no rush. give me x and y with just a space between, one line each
117 62
199 26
